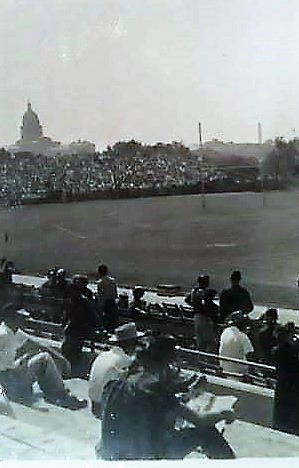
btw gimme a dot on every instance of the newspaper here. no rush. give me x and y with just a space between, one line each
210 403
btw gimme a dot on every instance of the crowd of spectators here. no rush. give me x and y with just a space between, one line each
131 379
135 388
125 167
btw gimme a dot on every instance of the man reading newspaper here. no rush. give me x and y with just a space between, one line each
141 414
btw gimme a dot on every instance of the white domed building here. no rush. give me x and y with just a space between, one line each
33 140
31 130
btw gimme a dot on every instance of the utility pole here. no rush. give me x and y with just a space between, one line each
259 133
201 167
263 190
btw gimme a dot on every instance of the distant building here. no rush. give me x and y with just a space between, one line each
31 130
32 139
218 150
82 147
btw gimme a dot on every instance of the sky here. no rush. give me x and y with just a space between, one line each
110 70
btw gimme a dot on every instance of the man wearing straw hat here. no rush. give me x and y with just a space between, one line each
111 365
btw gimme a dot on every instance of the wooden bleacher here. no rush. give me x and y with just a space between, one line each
192 359
47 432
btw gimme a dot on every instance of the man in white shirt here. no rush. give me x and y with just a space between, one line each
23 361
107 296
110 365
234 343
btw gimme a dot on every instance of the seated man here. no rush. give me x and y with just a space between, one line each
55 292
291 328
33 365
110 365
234 343
137 307
267 336
140 413
48 286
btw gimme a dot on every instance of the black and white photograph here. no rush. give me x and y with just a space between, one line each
149 230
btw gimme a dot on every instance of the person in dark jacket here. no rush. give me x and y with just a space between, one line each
6 271
140 414
236 298
80 320
291 327
196 296
199 299
267 337
212 309
286 401
55 292
107 299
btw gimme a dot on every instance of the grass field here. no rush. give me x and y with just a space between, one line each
166 240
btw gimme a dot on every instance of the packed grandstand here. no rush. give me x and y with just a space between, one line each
126 169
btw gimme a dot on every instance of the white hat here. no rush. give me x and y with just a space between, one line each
127 331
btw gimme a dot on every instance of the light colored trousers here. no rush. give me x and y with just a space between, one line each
41 368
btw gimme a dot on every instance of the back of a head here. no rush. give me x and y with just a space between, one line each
291 328
235 277
271 316
52 272
237 319
102 270
203 281
159 353
138 293
61 274
79 281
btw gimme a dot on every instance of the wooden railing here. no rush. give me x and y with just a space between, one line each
258 374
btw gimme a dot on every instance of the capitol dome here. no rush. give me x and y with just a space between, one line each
31 130
33 141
